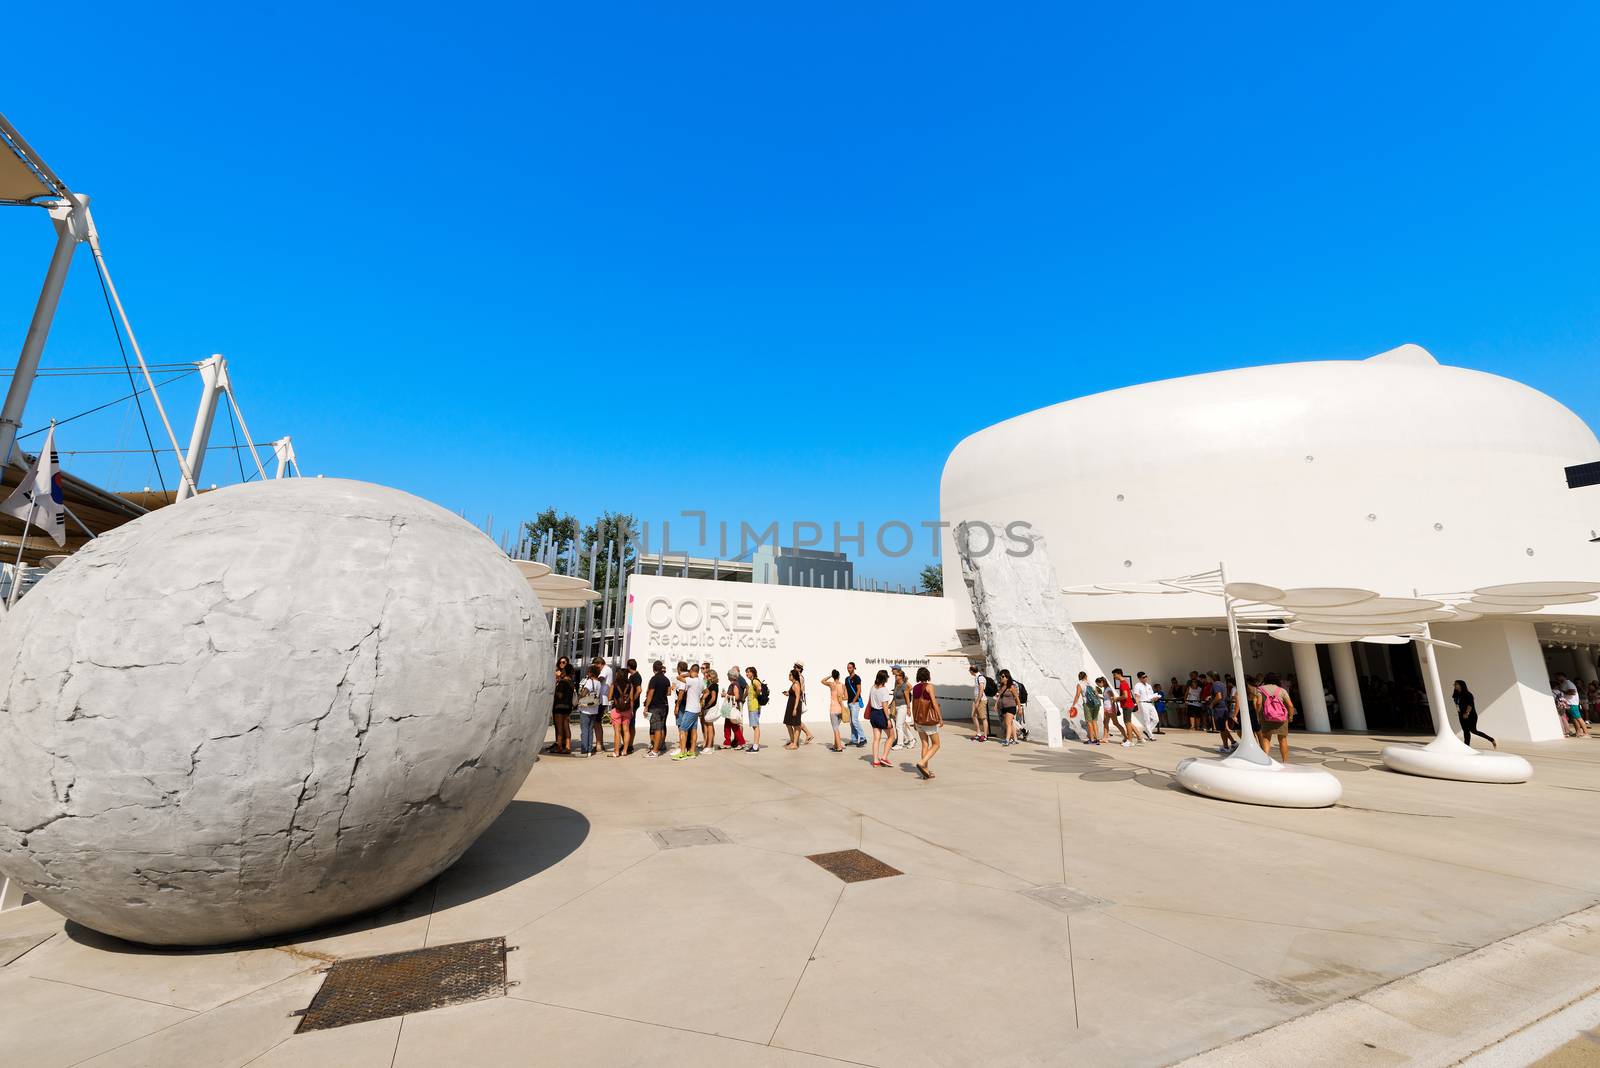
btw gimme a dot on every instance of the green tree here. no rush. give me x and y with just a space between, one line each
933 580
563 530
613 527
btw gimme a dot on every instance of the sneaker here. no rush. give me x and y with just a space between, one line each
1126 744
680 756
1224 750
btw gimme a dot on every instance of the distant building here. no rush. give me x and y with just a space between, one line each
779 566
682 565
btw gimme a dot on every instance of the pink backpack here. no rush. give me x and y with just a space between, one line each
1273 709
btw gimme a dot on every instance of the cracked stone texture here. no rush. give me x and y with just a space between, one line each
1023 622
266 708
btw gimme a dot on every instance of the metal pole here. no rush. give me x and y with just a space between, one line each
68 233
211 370
1444 736
1249 749
605 603
16 572
285 454
133 343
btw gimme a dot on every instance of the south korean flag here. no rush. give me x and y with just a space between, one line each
37 498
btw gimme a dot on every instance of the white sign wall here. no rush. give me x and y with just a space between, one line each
773 627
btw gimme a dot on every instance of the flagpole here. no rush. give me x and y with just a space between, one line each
16 571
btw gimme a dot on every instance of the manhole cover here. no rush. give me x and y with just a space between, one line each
679 837
1063 897
854 866
394 984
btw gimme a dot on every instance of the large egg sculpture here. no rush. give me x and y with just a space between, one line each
262 709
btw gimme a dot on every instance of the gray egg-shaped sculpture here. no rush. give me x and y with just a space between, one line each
265 708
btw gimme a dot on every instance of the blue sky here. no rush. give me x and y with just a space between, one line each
774 264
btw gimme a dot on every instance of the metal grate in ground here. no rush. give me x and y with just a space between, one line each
854 866
394 984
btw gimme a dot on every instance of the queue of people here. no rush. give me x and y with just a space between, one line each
695 696
902 714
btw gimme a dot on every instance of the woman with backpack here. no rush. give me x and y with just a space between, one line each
1277 709
926 717
1007 699
757 694
1087 697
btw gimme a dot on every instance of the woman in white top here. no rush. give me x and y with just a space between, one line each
880 705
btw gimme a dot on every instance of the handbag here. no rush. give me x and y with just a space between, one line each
730 712
922 711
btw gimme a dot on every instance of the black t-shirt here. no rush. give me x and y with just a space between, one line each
852 688
637 685
709 698
659 688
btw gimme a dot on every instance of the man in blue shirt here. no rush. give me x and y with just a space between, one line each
852 699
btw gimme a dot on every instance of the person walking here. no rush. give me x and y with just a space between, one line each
1144 695
608 675
852 692
1467 713
1022 709
836 708
800 702
1007 698
561 710
1110 715
1572 704
622 701
1194 694
1086 701
902 709
755 699
657 697
1122 689
1277 709
1217 704
926 716
980 705
689 712
591 702
710 708
733 710
879 708
791 710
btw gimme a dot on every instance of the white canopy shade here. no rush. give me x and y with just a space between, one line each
1323 597
1356 629
559 582
53 561
1538 589
1385 639
1253 591
1539 602
1338 615
1487 608
1136 587
532 569
1383 606
549 600
1302 637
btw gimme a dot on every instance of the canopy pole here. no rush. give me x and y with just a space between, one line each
212 372
1249 749
70 229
